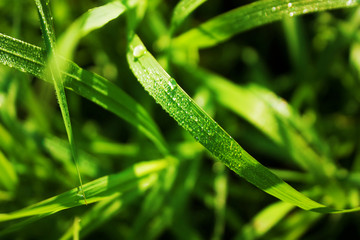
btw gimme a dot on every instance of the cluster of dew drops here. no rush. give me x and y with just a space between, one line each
291 10
202 129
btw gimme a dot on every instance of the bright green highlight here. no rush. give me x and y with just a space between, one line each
247 17
137 178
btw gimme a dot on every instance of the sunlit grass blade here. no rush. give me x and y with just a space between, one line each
271 115
8 176
155 202
220 188
102 212
264 221
139 177
91 20
204 129
298 223
54 73
59 149
183 9
31 59
247 17
76 228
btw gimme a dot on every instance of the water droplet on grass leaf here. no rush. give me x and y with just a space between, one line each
172 83
139 51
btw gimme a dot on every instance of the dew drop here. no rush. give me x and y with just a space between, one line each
273 9
290 5
305 10
291 14
172 83
139 51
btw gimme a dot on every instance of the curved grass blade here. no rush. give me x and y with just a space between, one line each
55 74
224 26
91 20
31 59
204 129
139 177
183 9
272 116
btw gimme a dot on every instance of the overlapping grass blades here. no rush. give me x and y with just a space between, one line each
54 73
134 179
204 129
271 115
277 120
31 59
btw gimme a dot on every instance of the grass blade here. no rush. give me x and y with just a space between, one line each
264 221
220 188
8 176
91 20
139 177
99 214
253 15
204 129
55 74
183 9
273 116
31 59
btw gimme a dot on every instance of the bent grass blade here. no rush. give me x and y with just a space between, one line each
273 116
183 9
226 25
205 130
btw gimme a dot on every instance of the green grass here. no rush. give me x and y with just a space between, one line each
280 78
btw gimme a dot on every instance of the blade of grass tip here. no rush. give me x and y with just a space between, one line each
205 130
31 59
226 25
91 20
80 28
181 11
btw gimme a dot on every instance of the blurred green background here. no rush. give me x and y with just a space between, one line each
312 62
